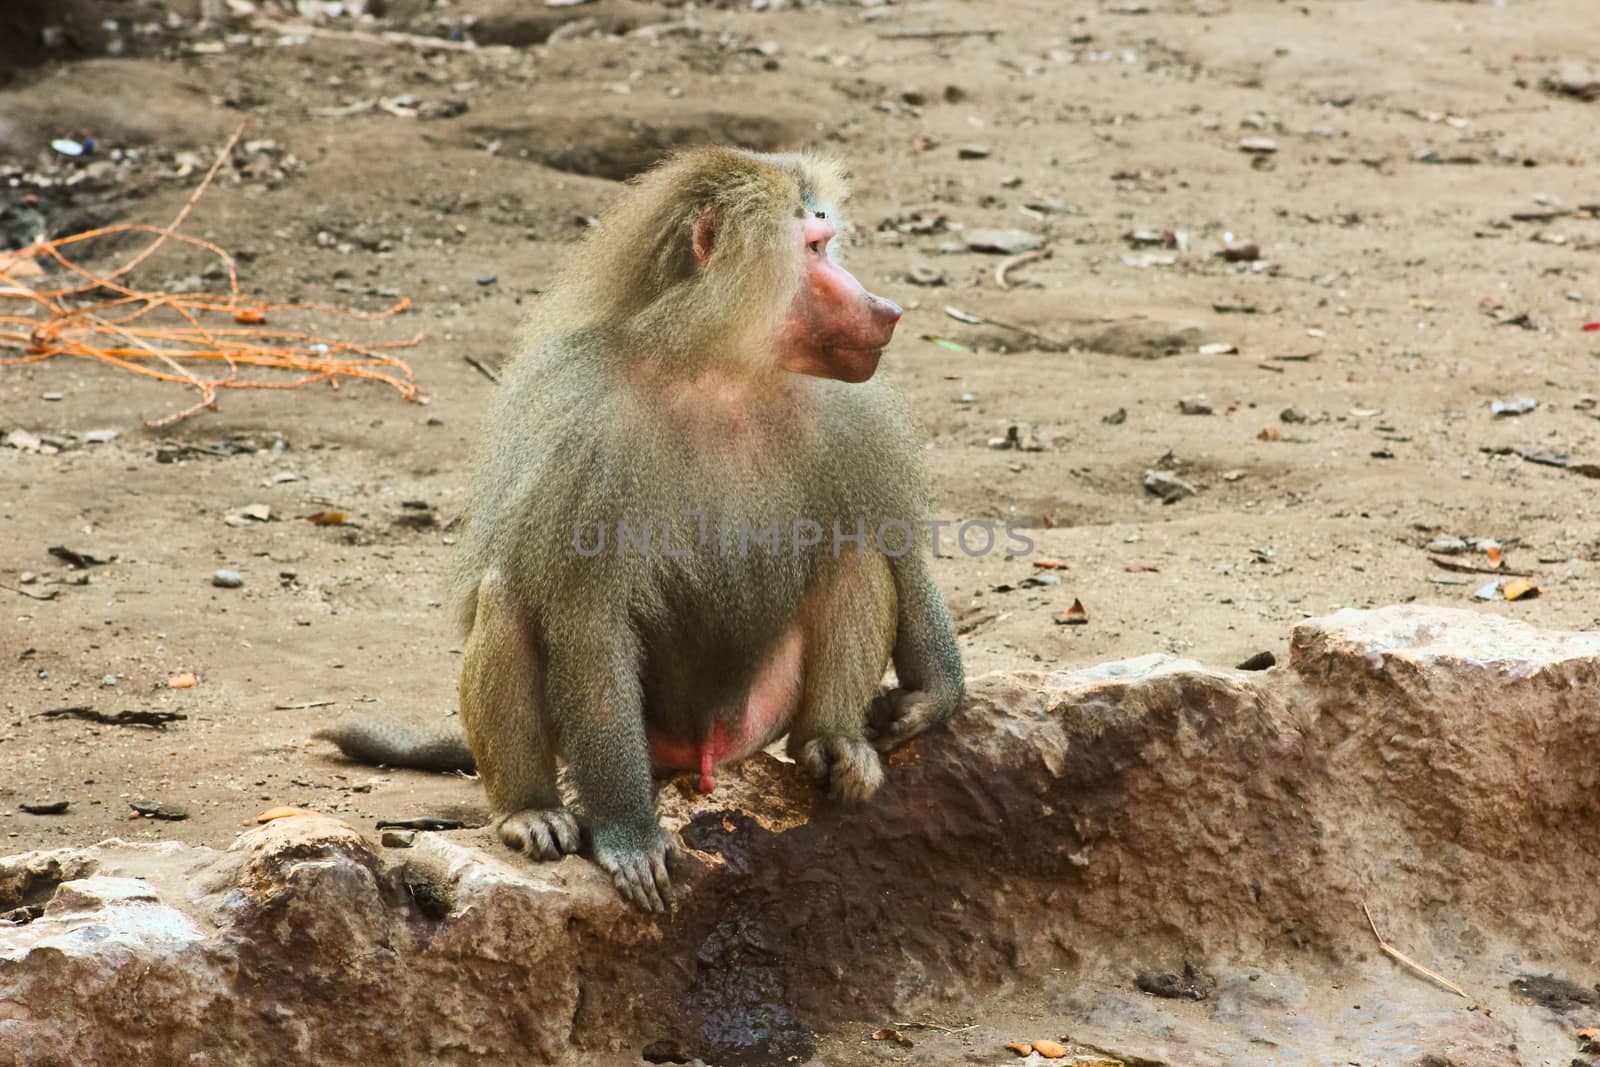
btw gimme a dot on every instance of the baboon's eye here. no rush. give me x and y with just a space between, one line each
822 214
815 246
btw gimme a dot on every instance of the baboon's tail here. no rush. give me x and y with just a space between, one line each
396 744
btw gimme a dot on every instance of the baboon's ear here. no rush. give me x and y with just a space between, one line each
704 231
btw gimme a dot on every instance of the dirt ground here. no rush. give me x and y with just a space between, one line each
1409 135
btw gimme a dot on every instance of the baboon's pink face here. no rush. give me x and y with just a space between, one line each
835 328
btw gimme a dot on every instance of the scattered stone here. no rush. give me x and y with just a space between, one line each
1158 238
155 809
45 807
1192 984
78 560
1259 662
226 579
1020 438
1116 418
24 441
1199 404
1001 242
1218 348
1447 546
248 514
1168 486
422 822
1578 80
923 274
1150 259
1293 415
1258 145
1507 408
1557 994
974 151
398 838
101 437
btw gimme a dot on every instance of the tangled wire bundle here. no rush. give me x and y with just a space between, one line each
121 330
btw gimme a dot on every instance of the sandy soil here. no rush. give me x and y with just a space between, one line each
1407 136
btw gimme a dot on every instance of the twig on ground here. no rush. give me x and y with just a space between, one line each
936 35
1395 953
972 319
116 330
1469 568
51 595
484 369
1015 262
384 37
937 1026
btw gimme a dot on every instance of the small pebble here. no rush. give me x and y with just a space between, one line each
488 279
51 396
45 807
226 579
1198 404
399 838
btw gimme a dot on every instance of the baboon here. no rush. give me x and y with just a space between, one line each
696 521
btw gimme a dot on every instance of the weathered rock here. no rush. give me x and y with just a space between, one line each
1580 80
1101 824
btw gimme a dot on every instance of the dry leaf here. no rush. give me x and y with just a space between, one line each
1588 1032
1494 556
1518 588
1048 564
250 316
282 812
1269 434
889 1033
1021 1048
182 680
1073 616
328 518
1140 566
1050 1050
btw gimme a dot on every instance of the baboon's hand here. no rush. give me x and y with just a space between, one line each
848 766
543 833
636 859
899 715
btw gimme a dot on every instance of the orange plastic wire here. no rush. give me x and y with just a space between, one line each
115 330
